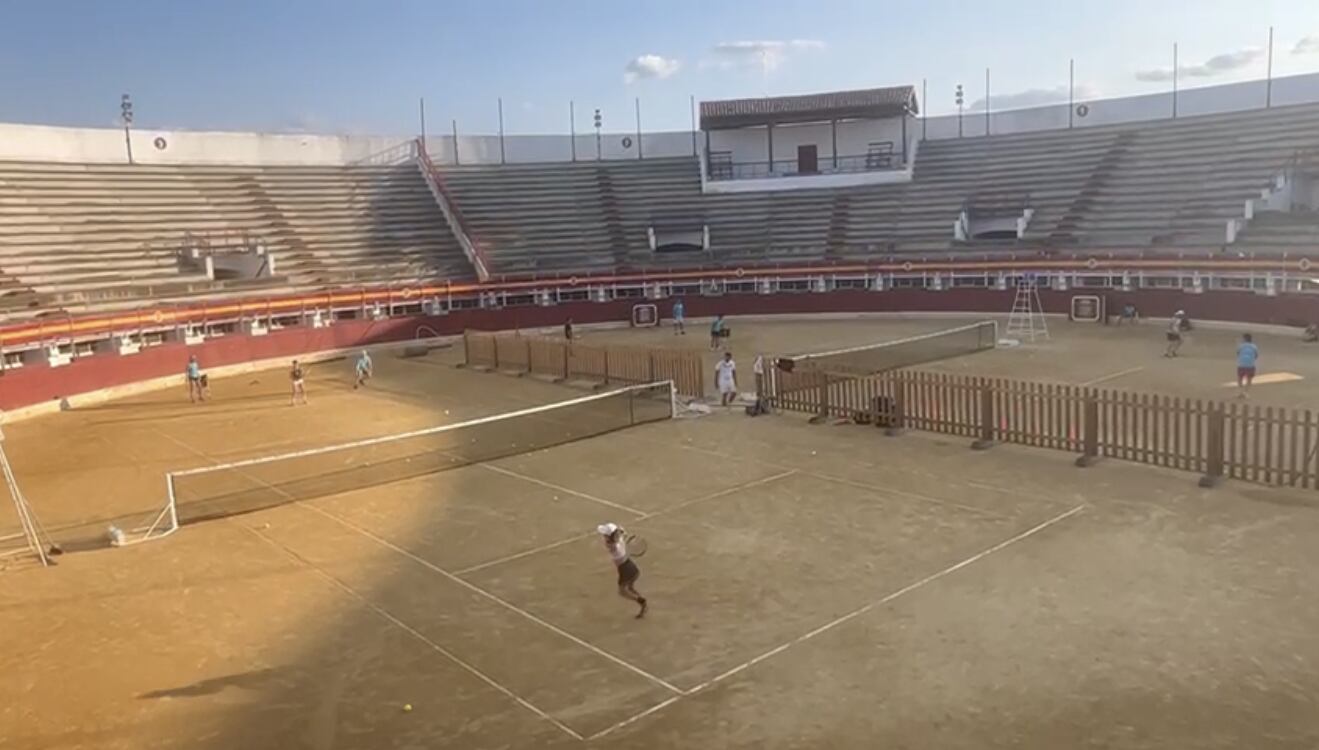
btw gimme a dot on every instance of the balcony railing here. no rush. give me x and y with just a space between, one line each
720 165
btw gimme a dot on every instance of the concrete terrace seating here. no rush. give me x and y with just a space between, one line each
1180 181
1272 232
579 216
77 234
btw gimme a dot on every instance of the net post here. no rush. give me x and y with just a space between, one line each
898 419
673 399
528 340
650 360
986 417
1090 448
1214 463
567 353
467 348
173 502
605 350
494 349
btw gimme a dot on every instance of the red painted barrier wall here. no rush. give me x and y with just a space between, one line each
34 384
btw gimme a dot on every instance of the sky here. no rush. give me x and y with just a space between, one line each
361 67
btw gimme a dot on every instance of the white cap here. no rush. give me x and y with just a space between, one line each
1179 314
606 529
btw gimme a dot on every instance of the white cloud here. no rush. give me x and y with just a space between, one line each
1035 98
1308 45
764 54
1214 66
649 66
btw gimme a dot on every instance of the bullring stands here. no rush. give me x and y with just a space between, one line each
74 235
83 235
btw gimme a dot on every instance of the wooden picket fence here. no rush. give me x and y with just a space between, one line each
566 360
1264 444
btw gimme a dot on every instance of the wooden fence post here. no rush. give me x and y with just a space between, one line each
823 414
1090 445
986 417
606 356
650 357
898 417
1213 475
567 353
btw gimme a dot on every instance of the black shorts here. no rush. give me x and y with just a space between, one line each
1174 336
628 572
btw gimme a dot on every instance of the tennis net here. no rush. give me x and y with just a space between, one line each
258 483
859 361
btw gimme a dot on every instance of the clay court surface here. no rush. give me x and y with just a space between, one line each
812 585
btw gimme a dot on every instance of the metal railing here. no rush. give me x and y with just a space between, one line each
452 214
719 168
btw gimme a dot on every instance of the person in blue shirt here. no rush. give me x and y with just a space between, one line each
679 318
364 370
196 389
718 332
1247 356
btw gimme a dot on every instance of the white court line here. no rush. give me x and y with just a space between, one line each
881 490
560 488
831 478
432 566
849 616
501 602
380 611
589 534
1112 376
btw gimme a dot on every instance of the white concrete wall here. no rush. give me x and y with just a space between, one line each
1231 97
43 143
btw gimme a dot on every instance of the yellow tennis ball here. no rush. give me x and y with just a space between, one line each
407 707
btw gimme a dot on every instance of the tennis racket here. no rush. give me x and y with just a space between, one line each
636 546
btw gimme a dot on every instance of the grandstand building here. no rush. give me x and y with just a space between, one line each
251 246
838 139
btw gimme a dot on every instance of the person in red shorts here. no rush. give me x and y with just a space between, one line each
1247 356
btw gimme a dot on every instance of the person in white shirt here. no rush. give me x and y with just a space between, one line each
628 572
1174 334
725 379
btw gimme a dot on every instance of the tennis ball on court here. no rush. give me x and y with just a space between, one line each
407 707
812 453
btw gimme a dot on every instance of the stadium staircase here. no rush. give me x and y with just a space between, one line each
1065 230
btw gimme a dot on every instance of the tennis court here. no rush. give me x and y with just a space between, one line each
811 586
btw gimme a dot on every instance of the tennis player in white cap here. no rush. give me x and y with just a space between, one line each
628 572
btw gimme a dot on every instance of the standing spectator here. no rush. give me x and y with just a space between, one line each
679 317
1247 356
1129 315
718 331
297 376
365 369
1174 335
196 389
567 329
758 369
725 379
